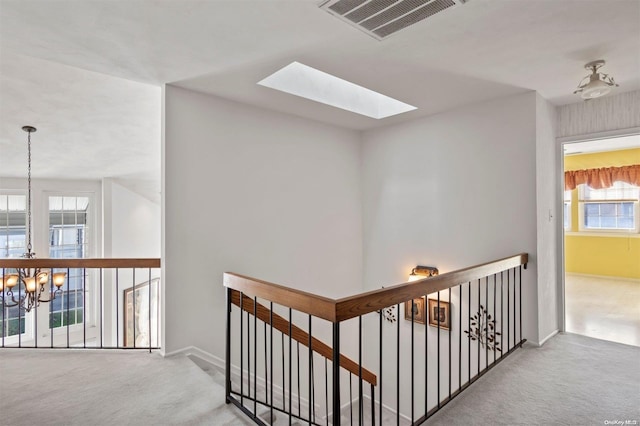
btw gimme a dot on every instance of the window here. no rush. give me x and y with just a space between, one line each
612 209
12 244
68 238
567 210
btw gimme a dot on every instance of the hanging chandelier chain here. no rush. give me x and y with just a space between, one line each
29 195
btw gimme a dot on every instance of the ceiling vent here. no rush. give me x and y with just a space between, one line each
381 18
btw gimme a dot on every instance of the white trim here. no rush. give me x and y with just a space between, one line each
591 233
604 277
599 135
543 341
560 184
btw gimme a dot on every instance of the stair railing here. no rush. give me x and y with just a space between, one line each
456 326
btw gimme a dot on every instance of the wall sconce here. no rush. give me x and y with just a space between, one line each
421 272
414 310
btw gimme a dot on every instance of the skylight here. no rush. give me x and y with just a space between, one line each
302 80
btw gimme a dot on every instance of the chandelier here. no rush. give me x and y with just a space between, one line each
596 84
31 282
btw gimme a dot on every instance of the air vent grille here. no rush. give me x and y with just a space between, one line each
381 18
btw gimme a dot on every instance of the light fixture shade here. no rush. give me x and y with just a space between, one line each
10 280
415 277
58 278
595 89
596 84
43 277
30 284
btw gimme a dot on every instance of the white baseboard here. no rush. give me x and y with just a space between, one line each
603 277
543 341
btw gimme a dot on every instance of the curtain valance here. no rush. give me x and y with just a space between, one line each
602 178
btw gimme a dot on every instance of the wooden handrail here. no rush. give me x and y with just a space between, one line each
281 324
81 263
318 306
350 307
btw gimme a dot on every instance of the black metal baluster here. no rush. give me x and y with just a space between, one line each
4 297
241 349
469 329
50 313
380 358
426 367
84 308
373 405
149 300
438 348
313 388
412 350
336 374
271 359
117 313
478 325
360 393
133 297
450 329
298 367
290 359
227 361
460 340
486 323
508 314
501 309
246 311
101 320
284 388
495 341
310 372
20 313
266 371
255 356
514 307
520 299
68 297
398 369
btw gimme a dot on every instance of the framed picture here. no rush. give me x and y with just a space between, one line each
439 316
417 305
142 318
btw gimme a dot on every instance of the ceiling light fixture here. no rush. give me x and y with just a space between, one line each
596 84
30 282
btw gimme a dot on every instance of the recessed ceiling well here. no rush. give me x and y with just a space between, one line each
309 83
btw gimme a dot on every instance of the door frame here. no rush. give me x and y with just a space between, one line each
560 194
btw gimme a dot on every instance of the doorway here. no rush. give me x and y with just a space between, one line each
601 257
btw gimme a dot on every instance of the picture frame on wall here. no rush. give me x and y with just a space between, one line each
417 305
439 315
141 319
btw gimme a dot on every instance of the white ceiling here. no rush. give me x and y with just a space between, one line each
481 50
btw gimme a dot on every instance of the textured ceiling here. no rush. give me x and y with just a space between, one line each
481 50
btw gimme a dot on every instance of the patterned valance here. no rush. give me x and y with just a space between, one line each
602 178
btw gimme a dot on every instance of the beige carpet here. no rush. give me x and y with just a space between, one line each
62 387
572 380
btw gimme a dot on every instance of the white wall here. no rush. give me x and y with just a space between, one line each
614 112
549 213
131 223
451 190
254 192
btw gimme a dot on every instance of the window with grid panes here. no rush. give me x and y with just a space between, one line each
609 209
